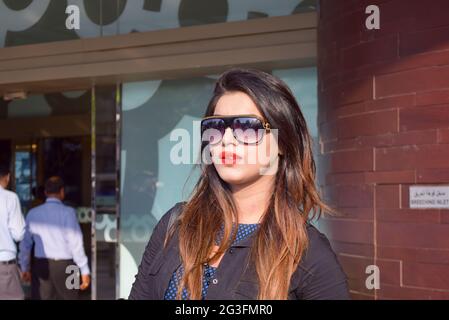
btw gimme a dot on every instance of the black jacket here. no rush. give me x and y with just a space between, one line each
318 276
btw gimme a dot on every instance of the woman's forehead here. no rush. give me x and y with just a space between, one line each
236 103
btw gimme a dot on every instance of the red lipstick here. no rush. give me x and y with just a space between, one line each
228 157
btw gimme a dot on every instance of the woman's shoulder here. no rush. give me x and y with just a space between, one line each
160 229
174 211
319 249
317 239
319 274
169 217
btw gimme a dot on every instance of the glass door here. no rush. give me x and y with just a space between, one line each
25 173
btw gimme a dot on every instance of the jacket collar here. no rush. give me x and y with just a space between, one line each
245 243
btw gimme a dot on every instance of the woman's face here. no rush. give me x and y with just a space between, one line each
238 163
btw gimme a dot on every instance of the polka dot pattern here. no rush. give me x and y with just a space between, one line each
243 231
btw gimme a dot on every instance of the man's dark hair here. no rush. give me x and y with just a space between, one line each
4 171
54 185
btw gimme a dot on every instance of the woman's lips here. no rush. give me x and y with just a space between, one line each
228 157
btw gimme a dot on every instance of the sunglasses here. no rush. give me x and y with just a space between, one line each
247 129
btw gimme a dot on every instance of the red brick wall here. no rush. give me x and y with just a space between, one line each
384 125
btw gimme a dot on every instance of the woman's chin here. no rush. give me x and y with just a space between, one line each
235 175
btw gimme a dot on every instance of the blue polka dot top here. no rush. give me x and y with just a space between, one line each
243 231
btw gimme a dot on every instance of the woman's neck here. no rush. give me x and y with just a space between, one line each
252 199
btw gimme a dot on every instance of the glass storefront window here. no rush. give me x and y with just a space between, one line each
150 183
38 21
166 14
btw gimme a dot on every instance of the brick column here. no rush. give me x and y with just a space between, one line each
384 125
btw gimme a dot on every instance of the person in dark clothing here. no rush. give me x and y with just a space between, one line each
246 232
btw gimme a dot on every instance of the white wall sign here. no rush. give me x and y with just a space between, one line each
429 197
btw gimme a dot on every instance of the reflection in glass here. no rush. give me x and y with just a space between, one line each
25 174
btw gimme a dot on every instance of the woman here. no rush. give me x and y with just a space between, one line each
245 233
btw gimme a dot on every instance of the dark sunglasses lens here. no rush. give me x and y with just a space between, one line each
248 130
212 130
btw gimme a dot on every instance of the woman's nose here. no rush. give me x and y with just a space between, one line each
228 137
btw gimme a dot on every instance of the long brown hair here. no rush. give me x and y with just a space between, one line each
281 238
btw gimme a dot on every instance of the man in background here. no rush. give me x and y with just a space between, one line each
58 246
12 229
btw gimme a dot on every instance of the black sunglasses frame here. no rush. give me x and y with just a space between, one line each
229 121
